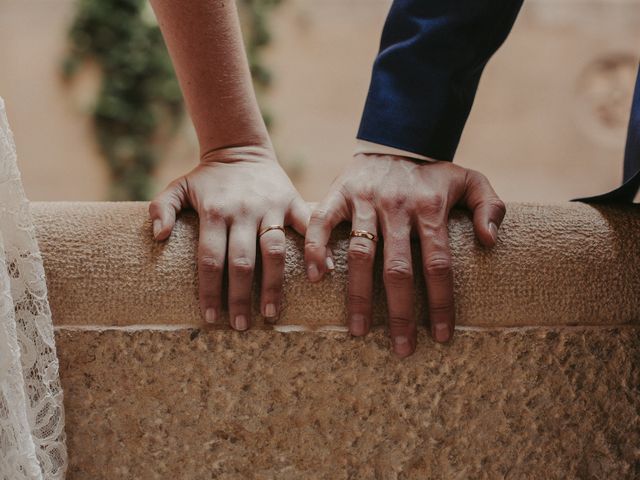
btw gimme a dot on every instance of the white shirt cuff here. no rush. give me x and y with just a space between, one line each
362 146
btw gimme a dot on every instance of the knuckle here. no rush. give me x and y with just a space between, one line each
176 182
397 236
366 194
430 233
498 205
312 245
434 241
438 266
239 303
211 265
272 291
397 322
319 216
176 186
359 253
209 299
242 266
247 207
212 212
393 202
398 271
430 204
476 179
275 253
444 309
475 175
154 206
358 300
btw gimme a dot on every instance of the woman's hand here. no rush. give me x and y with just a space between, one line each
236 192
399 196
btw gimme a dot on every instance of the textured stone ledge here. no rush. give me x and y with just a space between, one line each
189 404
564 264
151 392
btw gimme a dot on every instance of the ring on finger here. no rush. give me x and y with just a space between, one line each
364 234
269 228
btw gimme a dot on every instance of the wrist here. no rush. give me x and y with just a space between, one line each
372 148
256 152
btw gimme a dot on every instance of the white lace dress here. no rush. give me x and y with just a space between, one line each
32 438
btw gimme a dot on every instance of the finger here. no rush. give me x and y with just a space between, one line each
438 274
298 215
398 281
273 251
488 210
212 244
361 256
323 220
242 257
298 218
164 207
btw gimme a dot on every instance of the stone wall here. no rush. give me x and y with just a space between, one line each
542 378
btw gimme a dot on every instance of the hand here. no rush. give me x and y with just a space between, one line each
238 190
401 195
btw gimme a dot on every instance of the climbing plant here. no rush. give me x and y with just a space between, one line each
139 104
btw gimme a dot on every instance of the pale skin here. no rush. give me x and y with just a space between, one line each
239 187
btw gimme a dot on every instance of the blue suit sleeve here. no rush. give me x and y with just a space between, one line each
427 71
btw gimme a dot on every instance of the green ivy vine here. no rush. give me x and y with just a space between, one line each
139 105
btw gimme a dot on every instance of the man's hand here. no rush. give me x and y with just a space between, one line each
398 195
236 192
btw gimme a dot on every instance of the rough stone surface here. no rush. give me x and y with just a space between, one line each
562 264
150 393
202 404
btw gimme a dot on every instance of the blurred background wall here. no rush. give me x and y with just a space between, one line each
548 124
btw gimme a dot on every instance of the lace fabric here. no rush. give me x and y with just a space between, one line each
32 437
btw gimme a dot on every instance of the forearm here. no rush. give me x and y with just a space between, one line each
205 44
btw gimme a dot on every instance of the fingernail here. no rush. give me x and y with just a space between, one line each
241 322
313 273
270 310
357 324
330 264
210 315
157 225
442 332
493 228
401 346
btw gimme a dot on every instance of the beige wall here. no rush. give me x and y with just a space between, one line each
56 155
548 123
533 130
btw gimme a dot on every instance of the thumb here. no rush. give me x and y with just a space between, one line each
488 210
164 207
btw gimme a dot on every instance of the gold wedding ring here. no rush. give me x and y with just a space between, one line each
269 228
363 234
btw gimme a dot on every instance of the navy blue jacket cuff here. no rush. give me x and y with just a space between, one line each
427 71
